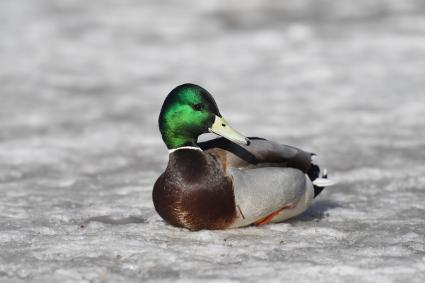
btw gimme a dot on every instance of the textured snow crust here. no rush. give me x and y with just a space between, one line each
81 85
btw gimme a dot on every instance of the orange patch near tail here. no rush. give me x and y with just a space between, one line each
270 217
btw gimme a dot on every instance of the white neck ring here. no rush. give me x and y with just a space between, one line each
184 147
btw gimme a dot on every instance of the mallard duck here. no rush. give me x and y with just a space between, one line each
231 181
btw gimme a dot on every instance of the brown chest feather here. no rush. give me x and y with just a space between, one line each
194 192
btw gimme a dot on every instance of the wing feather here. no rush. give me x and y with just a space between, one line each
261 191
260 152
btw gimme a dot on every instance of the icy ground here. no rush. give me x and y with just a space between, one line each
81 84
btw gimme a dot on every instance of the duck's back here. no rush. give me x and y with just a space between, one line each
194 192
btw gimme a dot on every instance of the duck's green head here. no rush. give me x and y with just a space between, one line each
190 111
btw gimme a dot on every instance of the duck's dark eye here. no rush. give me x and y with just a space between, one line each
197 107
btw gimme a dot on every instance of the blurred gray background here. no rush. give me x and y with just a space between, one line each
81 85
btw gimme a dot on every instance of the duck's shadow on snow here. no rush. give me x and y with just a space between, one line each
113 220
319 210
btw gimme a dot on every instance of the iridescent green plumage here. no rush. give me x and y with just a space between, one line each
187 112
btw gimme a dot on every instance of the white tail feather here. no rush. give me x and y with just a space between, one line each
323 182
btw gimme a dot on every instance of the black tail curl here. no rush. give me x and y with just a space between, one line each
314 173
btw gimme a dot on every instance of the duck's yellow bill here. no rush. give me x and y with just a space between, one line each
222 128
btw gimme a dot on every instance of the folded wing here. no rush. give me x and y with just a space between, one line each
259 152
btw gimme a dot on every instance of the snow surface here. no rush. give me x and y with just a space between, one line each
81 84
